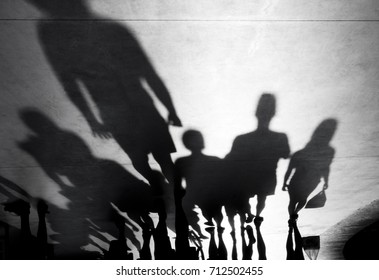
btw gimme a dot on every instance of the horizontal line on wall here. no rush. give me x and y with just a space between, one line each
197 20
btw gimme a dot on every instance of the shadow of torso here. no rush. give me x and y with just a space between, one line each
103 59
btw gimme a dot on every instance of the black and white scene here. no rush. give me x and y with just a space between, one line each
189 130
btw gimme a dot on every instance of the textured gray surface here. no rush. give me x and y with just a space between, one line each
216 57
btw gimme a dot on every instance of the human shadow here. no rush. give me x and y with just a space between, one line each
309 165
100 60
163 249
118 249
28 246
248 243
261 245
200 174
252 162
89 183
247 247
217 252
183 250
294 234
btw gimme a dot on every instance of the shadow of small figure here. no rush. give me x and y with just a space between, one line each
252 163
293 232
308 166
101 59
201 175
30 247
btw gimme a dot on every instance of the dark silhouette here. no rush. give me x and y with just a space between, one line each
252 163
94 184
4 240
101 60
197 241
183 234
29 247
212 251
118 250
309 165
234 246
200 172
145 252
162 244
42 210
163 249
293 232
26 246
222 251
217 252
260 242
364 245
247 248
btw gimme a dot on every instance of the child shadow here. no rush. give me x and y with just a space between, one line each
200 173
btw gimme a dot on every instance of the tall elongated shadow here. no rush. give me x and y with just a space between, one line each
102 59
252 162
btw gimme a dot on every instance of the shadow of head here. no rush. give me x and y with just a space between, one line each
193 140
266 108
324 132
37 121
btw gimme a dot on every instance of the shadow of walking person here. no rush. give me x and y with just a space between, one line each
293 232
91 184
308 166
252 163
102 60
200 173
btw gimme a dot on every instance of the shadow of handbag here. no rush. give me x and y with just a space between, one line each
317 201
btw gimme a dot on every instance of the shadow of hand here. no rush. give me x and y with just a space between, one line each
174 120
99 130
